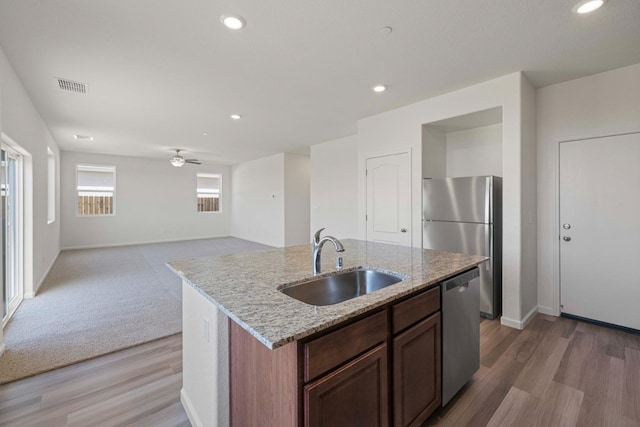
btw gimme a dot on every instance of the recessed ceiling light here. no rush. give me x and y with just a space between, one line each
83 137
204 134
233 22
587 6
385 31
379 88
236 116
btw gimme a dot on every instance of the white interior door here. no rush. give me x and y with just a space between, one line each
389 199
600 229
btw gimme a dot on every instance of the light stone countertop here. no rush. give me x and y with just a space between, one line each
245 285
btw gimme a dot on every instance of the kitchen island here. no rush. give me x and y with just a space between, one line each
239 296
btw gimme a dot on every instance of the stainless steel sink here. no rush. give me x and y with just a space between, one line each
340 287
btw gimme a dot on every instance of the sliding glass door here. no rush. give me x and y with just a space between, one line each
10 187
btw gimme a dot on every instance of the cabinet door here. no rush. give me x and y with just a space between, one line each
354 395
417 372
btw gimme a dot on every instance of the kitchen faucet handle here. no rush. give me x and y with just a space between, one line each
316 238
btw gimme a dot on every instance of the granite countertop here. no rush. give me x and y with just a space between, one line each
245 285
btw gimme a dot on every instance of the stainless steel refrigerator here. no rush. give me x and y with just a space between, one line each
465 215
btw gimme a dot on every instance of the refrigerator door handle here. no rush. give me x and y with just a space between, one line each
488 231
488 191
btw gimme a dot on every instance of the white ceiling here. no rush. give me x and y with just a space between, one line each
162 72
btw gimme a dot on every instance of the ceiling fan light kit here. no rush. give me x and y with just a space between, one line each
178 161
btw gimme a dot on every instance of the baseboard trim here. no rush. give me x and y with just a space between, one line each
29 295
189 409
529 317
510 322
548 310
147 242
519 324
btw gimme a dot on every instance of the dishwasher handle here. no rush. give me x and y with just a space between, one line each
461 279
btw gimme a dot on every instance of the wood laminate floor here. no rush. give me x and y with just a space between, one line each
139 386
556 372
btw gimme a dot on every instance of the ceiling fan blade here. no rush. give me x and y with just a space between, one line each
193 161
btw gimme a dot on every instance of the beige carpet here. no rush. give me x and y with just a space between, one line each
97 301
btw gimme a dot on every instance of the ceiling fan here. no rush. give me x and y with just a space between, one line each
177 160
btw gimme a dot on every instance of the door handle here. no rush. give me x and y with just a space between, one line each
487 238
566 238
403 230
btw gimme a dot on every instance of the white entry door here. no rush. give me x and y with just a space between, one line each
389 199
600 229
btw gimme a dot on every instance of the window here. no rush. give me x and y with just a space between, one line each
96 187
51 186
208 192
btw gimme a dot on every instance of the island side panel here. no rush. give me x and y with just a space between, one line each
205 355
264 383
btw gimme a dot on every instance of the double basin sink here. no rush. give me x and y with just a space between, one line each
336 288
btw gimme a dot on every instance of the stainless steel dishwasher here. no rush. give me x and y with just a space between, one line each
460 331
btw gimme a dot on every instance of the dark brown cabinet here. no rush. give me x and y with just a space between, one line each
378 370
335 348
354 395
416 372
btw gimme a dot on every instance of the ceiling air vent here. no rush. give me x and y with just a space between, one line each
71 86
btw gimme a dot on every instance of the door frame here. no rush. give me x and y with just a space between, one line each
554 310
363 171
19 231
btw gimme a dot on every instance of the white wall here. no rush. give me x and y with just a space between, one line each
205 366
258 200
528 207
402 128
21 123
334 187
598 105
297 199
434 152
154 202
476 151
270 200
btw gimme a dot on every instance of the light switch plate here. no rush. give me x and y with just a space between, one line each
206 330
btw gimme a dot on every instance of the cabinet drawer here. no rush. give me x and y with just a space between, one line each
408 312
335 348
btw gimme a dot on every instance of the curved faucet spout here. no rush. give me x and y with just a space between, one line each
316 237
336 243
317 249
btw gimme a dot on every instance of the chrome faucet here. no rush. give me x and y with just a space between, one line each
317 248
